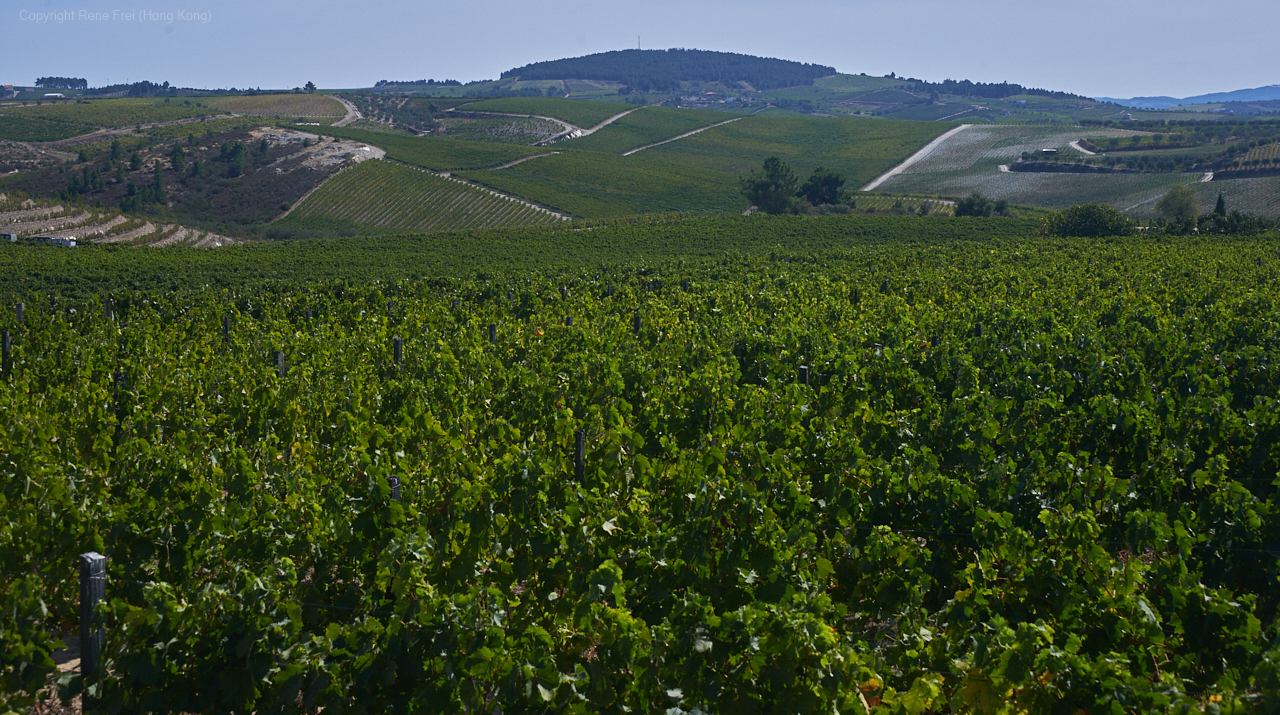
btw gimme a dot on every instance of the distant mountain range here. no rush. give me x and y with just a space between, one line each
1261 94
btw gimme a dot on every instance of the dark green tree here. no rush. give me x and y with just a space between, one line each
309 86
116 150
822 187
135 161
1088 221
178 157
772 189
1221 208
1180 204
974 204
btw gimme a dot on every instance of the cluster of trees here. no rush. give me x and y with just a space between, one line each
149 89
663 70
777 189
136 197
418 82
502 92
1179 214
62 83
415 114
976 204
966 88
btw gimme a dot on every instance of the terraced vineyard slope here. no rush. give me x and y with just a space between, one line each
31 220
389 196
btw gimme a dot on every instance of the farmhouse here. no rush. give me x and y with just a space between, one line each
8 92
10 237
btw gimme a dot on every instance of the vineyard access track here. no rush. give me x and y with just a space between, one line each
926 151
682 136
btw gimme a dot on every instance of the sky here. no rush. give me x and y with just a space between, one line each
1113 48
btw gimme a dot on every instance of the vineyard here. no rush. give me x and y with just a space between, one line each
860 149
389 196
115 113
1131 193
578 112
907 205
984 146
595 185
28 129
903 466
647 126
1259 196
282 105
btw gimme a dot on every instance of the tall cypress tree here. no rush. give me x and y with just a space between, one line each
1221 208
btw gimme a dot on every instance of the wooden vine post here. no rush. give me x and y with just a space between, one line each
93 590
580 455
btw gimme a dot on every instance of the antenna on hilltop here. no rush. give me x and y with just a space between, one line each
637 42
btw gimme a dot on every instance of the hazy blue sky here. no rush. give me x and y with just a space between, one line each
1116 48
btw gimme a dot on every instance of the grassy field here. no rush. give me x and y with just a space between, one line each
314 106
647 126
861 149
436 153
117 113
390 196
595 185
578 112
30 129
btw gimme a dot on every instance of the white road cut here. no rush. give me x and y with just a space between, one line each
911 160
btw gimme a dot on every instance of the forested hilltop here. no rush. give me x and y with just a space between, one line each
663 70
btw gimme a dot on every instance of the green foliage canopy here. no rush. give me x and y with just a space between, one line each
1088 221
773 188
